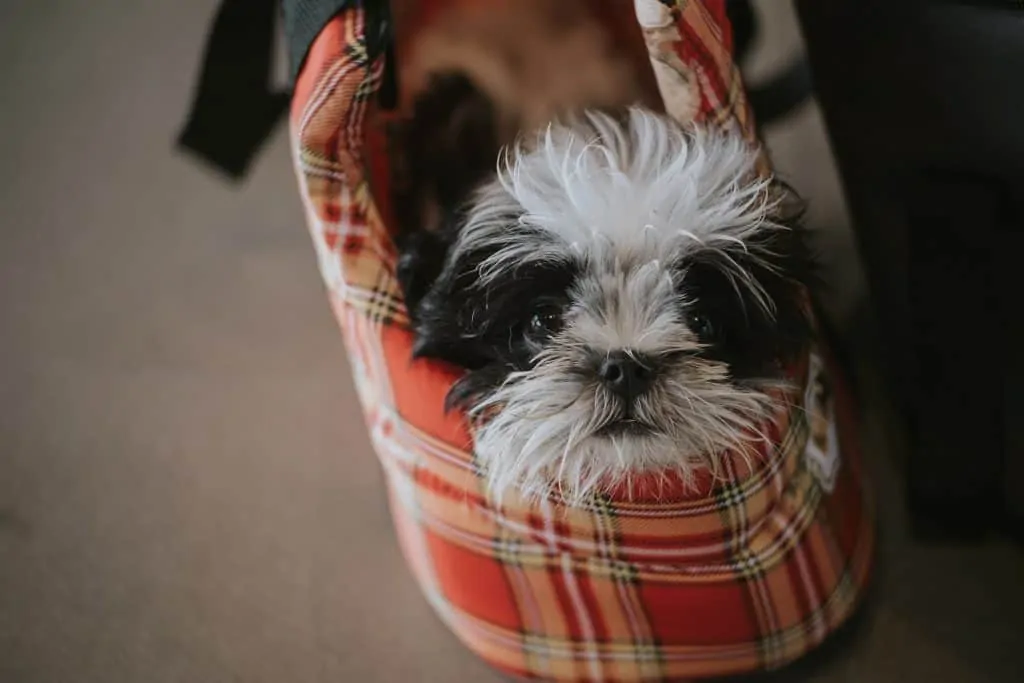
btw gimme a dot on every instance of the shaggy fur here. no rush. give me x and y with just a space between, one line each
623 292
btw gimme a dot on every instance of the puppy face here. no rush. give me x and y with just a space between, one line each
624 293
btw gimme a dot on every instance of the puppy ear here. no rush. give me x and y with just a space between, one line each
757 299
787 244
478 308
446 318
781 260
421 258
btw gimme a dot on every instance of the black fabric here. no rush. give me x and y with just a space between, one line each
923 106
234 110
955 404
303 21
784 93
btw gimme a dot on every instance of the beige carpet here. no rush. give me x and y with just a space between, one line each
186 490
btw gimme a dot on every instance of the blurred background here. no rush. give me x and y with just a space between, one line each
186 489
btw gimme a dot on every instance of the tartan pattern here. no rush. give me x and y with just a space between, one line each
650 583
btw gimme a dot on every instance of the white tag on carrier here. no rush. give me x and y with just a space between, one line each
822 451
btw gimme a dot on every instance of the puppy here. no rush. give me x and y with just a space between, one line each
624 293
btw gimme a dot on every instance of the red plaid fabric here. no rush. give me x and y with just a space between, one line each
661 582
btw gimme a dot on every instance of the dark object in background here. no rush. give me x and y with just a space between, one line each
785 92
234 111
923 104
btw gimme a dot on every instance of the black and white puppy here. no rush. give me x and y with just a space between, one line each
623 292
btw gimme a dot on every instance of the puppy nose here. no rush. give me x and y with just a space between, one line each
627 375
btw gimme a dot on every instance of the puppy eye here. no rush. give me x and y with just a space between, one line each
700 325
545 321
542 324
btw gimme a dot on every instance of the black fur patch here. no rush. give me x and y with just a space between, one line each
739 332
444 150
483 328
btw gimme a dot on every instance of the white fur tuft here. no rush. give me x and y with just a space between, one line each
648 188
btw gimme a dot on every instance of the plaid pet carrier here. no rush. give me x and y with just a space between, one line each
724 577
